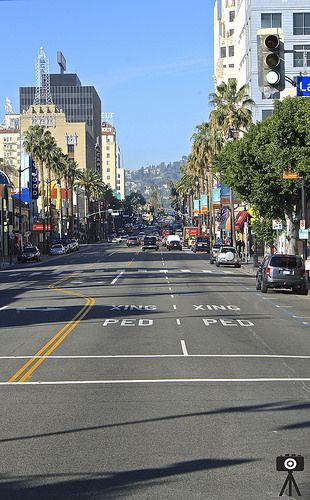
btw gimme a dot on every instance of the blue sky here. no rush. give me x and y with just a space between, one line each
151 62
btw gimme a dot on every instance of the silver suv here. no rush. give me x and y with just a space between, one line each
282 271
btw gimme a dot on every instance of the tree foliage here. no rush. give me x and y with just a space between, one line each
253 165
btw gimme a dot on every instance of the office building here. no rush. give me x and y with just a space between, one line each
236 23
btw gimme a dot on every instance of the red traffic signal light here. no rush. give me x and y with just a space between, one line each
272 42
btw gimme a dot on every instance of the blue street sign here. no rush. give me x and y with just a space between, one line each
303 86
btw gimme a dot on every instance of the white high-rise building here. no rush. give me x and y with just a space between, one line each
236 23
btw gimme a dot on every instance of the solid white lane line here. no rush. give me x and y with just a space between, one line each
174 306
134 356
115 279
158 381
184 349
178 322
3 307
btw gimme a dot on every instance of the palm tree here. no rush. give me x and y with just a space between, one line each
232 111
35 143
91 182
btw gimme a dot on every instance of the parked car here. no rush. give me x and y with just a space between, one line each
65 242
201 244
132 241
174 242
282 271
30 254
214 251
116 239
57 249
150 243
227 256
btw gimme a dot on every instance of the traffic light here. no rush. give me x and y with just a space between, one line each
271 61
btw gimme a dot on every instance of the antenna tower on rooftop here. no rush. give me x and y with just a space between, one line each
43 88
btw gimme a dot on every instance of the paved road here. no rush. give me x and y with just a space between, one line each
149 375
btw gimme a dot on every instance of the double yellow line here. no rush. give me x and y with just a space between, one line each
37 359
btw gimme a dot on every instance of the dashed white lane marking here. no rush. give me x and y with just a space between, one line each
170 288
172 296
207 271
283 306
142 270
110 254
3 307
36 273
227 272
302 317
174 306
159 381
167 278
163 271
184 349
14 274
185 270
118 276
178 322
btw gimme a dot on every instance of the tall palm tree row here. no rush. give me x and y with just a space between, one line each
231 115
53 165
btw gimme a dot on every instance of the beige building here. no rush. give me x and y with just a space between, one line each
70 137
112 173
10 152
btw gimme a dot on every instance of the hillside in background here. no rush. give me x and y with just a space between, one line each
154 175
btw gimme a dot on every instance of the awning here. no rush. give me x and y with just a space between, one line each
241 218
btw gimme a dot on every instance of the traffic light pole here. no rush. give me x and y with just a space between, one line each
304 214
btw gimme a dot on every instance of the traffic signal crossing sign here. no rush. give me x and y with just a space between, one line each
271 62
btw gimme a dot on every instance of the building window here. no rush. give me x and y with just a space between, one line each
70 148
108 155
108 162
232 16
266 113
231 50
271 20
108 148
108 169
231 32
231 66
299 55
223 52
301 23
108 177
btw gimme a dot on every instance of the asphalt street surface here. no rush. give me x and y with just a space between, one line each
149 375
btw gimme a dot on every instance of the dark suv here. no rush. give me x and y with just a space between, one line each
150 242
282 271
201 244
